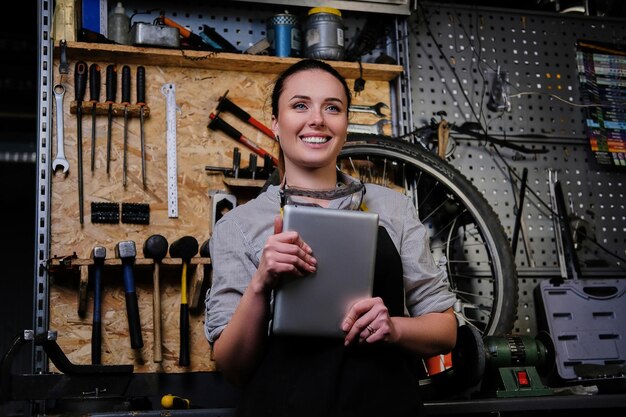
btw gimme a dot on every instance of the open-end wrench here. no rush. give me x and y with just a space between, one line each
374 109
373 129
60 161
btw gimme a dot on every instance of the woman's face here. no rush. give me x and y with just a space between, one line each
312 120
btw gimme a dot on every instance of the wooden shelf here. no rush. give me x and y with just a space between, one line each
133 55
72 263
244 182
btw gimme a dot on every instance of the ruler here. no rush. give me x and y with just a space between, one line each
169 91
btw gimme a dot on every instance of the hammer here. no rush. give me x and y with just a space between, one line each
155 247
185 248
201 273
126 251
98 254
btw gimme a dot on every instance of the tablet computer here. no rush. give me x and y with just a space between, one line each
344 244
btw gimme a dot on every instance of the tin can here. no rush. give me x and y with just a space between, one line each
324 37
283 35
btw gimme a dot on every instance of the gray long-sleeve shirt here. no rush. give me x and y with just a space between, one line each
240 235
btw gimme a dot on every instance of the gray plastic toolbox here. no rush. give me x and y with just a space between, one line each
586 320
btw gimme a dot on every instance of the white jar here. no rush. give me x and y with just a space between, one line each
118 26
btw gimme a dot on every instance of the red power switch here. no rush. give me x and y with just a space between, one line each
522 379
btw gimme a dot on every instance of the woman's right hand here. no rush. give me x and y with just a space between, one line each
284 253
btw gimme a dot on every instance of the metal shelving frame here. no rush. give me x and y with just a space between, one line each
42 217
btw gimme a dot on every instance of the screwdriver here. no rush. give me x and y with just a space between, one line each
94 97
126 103
141 102
111 91
80 84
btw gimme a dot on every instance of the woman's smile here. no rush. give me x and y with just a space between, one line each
315 139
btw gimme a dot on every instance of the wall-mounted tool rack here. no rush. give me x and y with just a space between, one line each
117 109
64 246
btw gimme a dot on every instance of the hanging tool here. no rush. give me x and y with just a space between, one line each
552 179
155 248
80 83
374 109
224 104
169 91
141 102
127 252
373 129
111 91
98 255
185 248
569 248
518 214
202 274
218 124
94 98
60 161
443 136
126 103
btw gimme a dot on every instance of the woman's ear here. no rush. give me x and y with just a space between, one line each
275 126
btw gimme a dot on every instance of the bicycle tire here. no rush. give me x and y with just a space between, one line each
467 205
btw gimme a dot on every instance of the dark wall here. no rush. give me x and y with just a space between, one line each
18 139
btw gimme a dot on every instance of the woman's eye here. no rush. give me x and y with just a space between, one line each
333 108
299 106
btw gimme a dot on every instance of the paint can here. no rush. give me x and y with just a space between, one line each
324 38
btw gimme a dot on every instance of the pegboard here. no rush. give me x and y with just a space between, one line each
455 49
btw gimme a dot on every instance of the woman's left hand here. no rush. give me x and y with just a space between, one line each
368 320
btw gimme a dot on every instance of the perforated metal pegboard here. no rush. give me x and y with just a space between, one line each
455 49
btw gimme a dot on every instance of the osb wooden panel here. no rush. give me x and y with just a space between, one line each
197 94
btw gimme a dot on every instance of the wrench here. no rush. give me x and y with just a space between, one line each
373 129
60 161
374 109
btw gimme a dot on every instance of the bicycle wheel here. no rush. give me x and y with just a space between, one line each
465 233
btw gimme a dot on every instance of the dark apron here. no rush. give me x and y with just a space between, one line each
311 376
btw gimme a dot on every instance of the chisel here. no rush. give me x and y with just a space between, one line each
141 102
94 98
80 83
111 91
126 103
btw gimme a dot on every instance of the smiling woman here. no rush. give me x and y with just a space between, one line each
407 316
